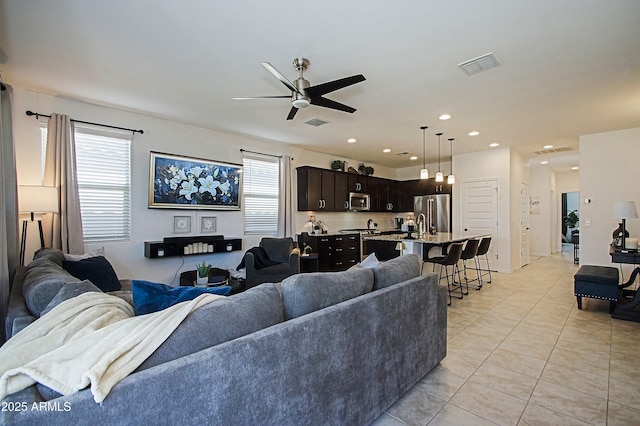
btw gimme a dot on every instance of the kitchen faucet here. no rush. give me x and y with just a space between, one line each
422 225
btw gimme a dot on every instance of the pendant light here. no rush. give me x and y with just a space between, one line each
451 179
424 173
439 175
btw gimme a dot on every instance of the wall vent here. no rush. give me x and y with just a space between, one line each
315 122
479 64
553 150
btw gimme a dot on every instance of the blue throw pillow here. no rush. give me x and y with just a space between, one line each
152 297
96 269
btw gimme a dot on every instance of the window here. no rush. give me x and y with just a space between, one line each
261 187
103 161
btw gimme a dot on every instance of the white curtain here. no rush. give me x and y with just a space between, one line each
286 225
64 229
8 205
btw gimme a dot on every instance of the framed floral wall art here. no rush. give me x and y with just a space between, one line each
179 182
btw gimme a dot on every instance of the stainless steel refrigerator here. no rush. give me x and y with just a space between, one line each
436 210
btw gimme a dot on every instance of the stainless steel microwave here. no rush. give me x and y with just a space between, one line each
359 201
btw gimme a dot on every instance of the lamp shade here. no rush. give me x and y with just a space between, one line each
625 210
37 199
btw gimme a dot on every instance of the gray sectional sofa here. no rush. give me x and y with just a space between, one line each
319 348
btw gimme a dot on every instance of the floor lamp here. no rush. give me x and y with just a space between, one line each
35 200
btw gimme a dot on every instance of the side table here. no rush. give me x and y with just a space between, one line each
309 263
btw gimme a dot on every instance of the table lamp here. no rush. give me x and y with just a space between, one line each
35 199
624 210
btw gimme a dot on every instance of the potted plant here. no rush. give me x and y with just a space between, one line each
571 221
337 165
307 250
203 273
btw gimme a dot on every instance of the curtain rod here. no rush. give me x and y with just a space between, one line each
31 113
260 153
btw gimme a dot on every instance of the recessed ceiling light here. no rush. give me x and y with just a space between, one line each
575 168
386 150
544 162
547 147
413 157
351 140
493 145
444 117
474 133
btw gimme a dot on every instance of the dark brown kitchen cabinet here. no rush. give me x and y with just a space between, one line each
357 183
388 196
341 192
372 189
335 252
316 190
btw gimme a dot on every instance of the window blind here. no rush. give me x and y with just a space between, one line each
261 188
103 162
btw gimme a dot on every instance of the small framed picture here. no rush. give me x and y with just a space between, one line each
181 224
207 224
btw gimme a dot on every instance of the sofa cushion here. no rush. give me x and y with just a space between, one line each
93 253
305 293
396 270
53 254
69 291
235 316
96 269
42 281
152 297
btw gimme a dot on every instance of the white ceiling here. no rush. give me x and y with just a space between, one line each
569 67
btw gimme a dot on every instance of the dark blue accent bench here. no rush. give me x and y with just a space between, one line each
597 282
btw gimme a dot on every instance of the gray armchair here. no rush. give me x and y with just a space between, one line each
280 251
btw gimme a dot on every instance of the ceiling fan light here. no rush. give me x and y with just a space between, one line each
424 174
451 179
301 103
439 177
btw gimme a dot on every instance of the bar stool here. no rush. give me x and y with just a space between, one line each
483 249
450 261
470 252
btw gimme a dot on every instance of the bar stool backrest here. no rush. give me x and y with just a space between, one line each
470 249
453 254
483 248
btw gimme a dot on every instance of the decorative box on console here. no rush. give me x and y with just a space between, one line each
186 246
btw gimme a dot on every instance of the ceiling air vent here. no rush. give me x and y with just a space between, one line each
315 122
553 150
479 64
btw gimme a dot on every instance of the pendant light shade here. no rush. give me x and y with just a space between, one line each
439 175
451 179
424 173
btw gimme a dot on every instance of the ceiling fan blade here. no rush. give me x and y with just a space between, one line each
292 113
244 98
328 103
324 88
280 77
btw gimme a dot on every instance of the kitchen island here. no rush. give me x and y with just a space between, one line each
422 245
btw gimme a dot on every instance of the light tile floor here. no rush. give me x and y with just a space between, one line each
521 353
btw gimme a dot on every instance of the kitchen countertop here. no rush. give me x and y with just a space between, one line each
439 238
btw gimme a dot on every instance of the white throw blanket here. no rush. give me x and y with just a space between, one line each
92 339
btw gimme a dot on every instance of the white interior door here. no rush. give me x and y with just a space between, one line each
524 224
480 213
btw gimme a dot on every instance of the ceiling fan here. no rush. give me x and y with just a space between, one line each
303 94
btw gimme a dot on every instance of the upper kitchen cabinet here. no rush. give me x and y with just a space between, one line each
388 195
341 195
357 183
316 189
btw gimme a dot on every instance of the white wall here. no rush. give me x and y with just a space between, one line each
154 224
540 189
608 173
490 164
518 175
